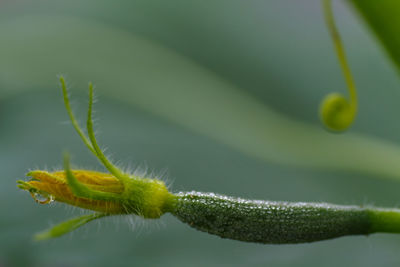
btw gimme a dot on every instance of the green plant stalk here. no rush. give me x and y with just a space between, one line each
258 221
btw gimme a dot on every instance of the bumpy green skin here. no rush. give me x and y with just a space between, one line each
269 222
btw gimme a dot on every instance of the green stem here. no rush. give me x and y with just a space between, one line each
330 22
384 220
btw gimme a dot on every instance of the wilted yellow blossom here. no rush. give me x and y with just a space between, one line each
54 186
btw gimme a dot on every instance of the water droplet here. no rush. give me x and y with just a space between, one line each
39 198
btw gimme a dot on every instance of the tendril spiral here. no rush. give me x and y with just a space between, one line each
337 112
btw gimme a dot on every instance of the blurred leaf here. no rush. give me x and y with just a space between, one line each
142 73
384 19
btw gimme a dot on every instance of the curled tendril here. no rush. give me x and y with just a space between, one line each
338 113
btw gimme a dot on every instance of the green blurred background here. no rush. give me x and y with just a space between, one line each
170 77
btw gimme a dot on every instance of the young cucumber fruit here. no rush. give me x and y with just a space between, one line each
273 222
